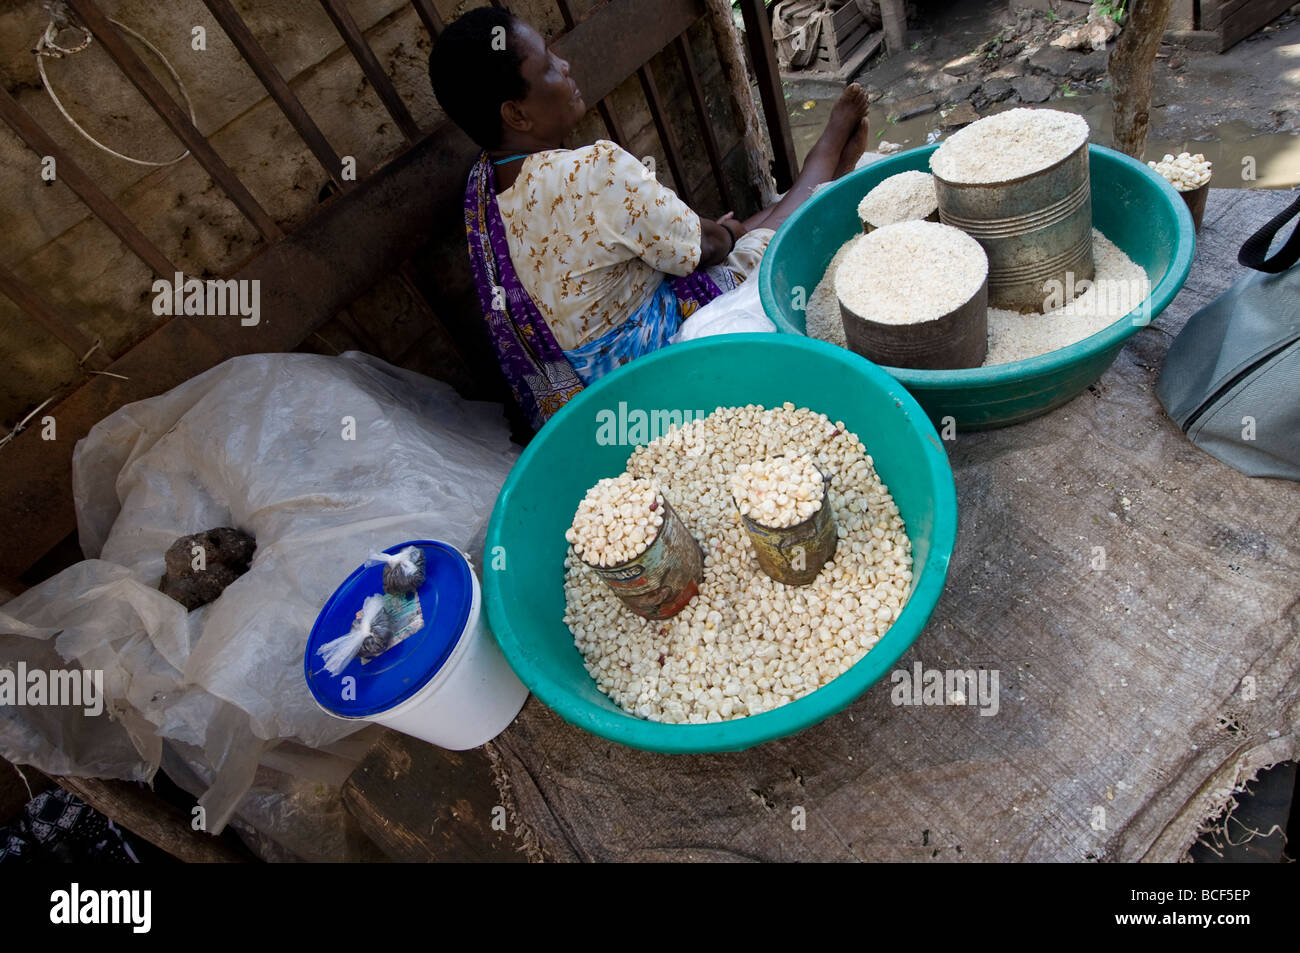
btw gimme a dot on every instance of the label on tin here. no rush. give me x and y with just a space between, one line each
660 582
795 555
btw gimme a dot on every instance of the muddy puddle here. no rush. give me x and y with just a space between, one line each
1242 158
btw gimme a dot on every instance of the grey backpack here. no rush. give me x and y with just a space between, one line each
1231 379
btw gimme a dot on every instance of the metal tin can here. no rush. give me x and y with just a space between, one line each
959 338
658 583
794 555
1036 230
1195 199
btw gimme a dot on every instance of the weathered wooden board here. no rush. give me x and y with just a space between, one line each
306 278
1132 699
421 803
1244 19
161 824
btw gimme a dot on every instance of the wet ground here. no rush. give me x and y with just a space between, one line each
1241 109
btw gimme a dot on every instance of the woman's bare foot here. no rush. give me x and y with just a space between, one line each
848 110
845 135
853 149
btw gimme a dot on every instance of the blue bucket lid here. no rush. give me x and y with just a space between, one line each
360 691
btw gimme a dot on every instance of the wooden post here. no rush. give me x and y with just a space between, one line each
762 58
1130 73
731 56
893 14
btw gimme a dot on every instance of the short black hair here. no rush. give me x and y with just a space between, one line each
472 76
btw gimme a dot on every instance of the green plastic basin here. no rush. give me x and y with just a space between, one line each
523 579
1132 206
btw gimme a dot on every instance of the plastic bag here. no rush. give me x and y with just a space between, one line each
403 570
323 460
733 312
371 634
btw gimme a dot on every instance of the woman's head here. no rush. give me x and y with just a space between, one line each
495 78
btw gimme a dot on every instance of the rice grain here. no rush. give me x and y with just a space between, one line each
1008 145
911 272
905 197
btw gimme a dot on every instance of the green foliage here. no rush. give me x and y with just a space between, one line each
1112 8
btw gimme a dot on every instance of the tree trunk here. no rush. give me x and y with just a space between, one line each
1130 73
894 15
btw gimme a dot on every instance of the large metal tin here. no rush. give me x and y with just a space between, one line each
959 338
1036 229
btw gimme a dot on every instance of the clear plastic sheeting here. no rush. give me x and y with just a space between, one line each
323 461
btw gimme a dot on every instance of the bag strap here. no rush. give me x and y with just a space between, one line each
1256 247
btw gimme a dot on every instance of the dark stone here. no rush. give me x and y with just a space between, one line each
938 82
963 114
1011 48
995 90
963 64
916 106
226 556
961 92
1052 60
1033 89
1090 67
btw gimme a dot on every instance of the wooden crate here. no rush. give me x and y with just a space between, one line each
1234 20
843 48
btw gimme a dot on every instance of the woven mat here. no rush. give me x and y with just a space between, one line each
1133 699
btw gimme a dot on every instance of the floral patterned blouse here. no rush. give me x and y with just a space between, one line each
592 234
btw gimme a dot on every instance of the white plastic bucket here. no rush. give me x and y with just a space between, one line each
470 698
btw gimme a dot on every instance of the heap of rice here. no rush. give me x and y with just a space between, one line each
1008 145
910 272
1118 286
905 197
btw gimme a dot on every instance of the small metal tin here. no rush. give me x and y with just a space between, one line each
1036 229
658 583
1195 199
794 555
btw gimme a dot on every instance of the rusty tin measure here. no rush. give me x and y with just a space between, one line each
794 555
959 338
658 583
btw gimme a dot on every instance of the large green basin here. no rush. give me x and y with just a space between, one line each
523 579
1132 206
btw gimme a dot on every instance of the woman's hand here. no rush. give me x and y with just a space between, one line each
735 225
717 239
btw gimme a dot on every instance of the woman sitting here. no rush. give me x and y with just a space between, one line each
582 260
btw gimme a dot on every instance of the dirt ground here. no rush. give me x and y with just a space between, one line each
1241 109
